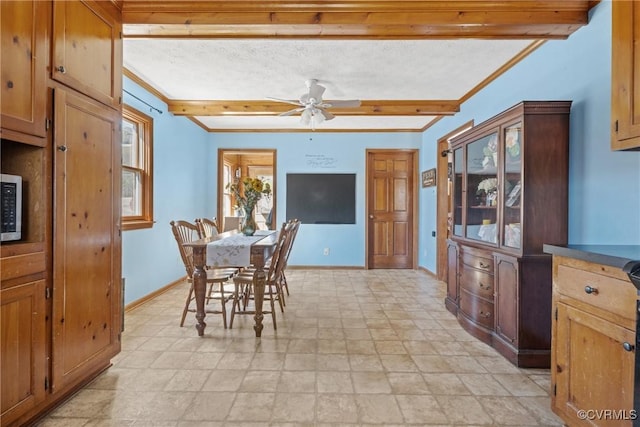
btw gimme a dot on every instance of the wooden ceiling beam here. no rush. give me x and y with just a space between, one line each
355 18
274 108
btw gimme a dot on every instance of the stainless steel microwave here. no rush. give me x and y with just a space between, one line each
11 193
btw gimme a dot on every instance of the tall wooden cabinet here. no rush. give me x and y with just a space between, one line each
510 193
60 284
625 83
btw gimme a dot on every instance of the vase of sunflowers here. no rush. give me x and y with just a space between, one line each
247 191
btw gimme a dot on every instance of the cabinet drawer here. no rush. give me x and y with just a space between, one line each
607 293
479 262
476 308
477 282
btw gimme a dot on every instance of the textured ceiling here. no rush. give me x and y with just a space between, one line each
255 69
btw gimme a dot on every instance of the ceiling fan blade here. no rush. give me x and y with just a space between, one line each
288 101
327 115
347 103
291 112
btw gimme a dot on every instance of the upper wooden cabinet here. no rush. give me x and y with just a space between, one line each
87 49
25 26
625 81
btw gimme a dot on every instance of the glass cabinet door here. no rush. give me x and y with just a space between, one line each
482 189
458 168
512 187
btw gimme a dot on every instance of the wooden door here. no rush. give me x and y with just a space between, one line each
82 30
86 252
391 182
24 40
590 350
22 322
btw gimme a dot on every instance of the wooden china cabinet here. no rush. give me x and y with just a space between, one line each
510 193
60 282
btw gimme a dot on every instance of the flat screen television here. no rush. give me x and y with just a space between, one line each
322 198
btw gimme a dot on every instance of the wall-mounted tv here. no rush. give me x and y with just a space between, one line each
322 198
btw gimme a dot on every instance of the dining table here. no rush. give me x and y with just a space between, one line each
232 249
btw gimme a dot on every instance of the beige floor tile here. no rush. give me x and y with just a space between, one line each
483 385
252 407
370 382
422 410
378 409
334 382
407 383
224 380
294 407
337 408
297 382
520 385
465 410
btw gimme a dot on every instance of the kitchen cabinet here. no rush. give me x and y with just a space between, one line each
593 342
625 84
503 170
23 368
25 36
82 28
61 300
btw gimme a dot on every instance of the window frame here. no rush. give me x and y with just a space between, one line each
144 123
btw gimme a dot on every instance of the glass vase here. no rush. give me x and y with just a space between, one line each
249 225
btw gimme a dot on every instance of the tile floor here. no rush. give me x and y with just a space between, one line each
354 347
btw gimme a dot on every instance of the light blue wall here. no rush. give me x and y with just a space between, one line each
181 174
321 153
604 186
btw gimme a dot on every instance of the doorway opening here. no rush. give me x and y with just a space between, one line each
238 163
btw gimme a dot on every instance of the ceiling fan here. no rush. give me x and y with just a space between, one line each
313 107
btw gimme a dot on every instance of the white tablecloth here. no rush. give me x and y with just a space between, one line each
233 251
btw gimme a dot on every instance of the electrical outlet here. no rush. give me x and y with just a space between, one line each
326 251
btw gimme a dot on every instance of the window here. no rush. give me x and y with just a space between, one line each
137 169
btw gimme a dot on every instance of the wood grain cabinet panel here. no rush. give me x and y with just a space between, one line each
86 270
24 27
22 323
80 29
451 301
625 79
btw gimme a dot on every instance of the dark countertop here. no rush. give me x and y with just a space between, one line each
611 255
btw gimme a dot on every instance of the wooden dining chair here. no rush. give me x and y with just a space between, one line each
243 291
217 278
294 231
207 227
231 223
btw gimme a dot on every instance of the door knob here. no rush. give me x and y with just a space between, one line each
61 69
370 216
627 346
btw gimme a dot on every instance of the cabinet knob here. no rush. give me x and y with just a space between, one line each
371 216
61 69
485 314
483 265
62 148
485 287
627 346
590 290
